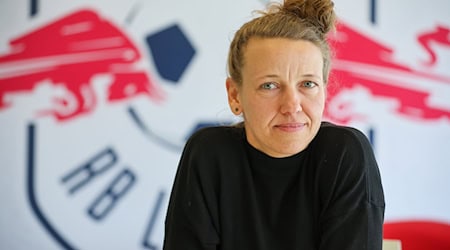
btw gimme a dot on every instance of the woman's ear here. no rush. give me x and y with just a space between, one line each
233 96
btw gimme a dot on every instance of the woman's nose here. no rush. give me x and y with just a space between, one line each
290 101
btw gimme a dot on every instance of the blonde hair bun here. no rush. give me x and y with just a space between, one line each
318 13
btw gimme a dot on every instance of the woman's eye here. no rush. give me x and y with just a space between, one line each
268 85
309 84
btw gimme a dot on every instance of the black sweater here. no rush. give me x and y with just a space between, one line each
227 195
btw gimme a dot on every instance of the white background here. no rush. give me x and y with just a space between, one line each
413 154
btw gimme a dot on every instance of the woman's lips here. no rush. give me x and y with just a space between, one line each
290 127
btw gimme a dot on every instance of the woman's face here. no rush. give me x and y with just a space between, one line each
282 95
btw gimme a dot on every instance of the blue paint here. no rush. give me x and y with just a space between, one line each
154 216
372 137
172 52
34 4
373 11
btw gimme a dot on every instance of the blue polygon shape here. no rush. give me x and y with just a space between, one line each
172 52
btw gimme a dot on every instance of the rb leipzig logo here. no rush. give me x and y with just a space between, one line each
77 201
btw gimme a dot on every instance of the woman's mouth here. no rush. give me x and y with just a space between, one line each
290 127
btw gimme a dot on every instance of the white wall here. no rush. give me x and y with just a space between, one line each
138 140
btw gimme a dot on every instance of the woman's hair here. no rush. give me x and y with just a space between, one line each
308 20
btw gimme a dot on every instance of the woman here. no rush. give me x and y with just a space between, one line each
282 179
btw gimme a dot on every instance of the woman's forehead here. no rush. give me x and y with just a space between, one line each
275 55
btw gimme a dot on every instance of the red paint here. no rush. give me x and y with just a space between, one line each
419 234
361 61
70 52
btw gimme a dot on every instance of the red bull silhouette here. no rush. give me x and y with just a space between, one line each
360 61
70 52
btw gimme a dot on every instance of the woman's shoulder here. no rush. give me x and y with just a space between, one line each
216 136
332 134
337 140
347 163
210 149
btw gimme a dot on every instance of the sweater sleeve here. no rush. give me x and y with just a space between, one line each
352 196
189 224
